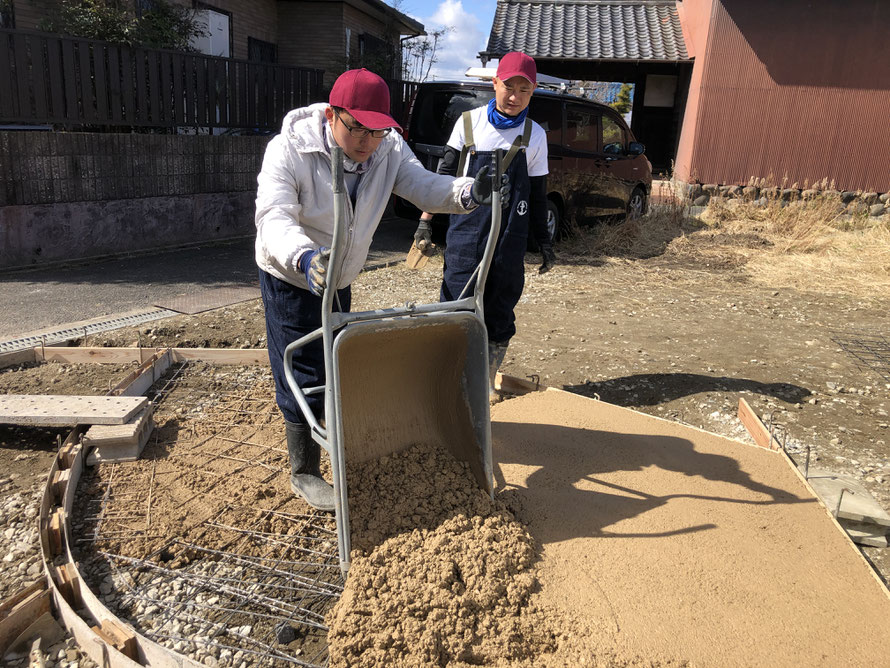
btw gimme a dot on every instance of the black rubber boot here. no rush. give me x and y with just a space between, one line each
496 354
305 475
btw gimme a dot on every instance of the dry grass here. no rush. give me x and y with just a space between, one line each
855 262
809 245
627 237
814 244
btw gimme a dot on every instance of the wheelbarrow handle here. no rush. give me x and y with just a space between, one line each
325 332
493 234
339 188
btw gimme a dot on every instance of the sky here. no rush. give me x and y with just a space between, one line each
471 20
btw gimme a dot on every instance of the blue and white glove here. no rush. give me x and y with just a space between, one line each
315 266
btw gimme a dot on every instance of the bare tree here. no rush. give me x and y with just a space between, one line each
419 54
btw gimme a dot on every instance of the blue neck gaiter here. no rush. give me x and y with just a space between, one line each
502 122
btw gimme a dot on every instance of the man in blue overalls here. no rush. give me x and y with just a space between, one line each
503 124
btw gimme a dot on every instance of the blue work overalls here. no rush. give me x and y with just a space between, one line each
465 245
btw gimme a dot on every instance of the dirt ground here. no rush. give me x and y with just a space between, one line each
674 318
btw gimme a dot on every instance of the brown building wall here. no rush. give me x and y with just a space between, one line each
360 23
797 91
322 47
29 13
249 18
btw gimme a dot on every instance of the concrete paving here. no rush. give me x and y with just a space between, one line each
42 300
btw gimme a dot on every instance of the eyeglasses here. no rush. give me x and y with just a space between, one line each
360 131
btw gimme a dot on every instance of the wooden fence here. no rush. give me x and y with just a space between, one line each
53 79
401 94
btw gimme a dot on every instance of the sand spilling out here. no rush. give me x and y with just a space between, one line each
440 572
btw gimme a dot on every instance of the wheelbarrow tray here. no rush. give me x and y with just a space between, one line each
419 380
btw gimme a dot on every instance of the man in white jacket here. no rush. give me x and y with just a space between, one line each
294 220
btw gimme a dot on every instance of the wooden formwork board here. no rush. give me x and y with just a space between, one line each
240 356
140 380
756 428
20 611
17 357
99 647
105 653
97 355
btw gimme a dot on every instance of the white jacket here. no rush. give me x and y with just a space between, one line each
295 202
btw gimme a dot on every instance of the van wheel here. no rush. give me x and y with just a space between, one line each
636 205
554 224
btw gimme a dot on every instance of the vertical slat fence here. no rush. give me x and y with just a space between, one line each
55 79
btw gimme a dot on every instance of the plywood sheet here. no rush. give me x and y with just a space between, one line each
673 546
59 411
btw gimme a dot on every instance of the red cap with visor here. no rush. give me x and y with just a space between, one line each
518 64
365 96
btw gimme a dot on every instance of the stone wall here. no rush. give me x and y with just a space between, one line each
70 196
859 203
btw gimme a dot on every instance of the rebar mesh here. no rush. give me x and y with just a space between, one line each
241 577
870 350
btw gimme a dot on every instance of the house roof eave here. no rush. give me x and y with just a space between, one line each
405 24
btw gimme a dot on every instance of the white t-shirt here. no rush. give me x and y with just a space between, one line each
486 137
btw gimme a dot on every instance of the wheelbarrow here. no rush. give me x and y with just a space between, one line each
398 377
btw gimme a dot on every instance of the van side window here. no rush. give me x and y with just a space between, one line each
613 136
581 130
548 114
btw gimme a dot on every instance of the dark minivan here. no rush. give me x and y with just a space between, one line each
597 168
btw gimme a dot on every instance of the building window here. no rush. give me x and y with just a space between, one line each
7 14
378 55
260 51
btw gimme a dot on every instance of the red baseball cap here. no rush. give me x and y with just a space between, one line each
517 64
365 96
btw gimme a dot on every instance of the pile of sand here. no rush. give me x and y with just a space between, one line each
440 574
